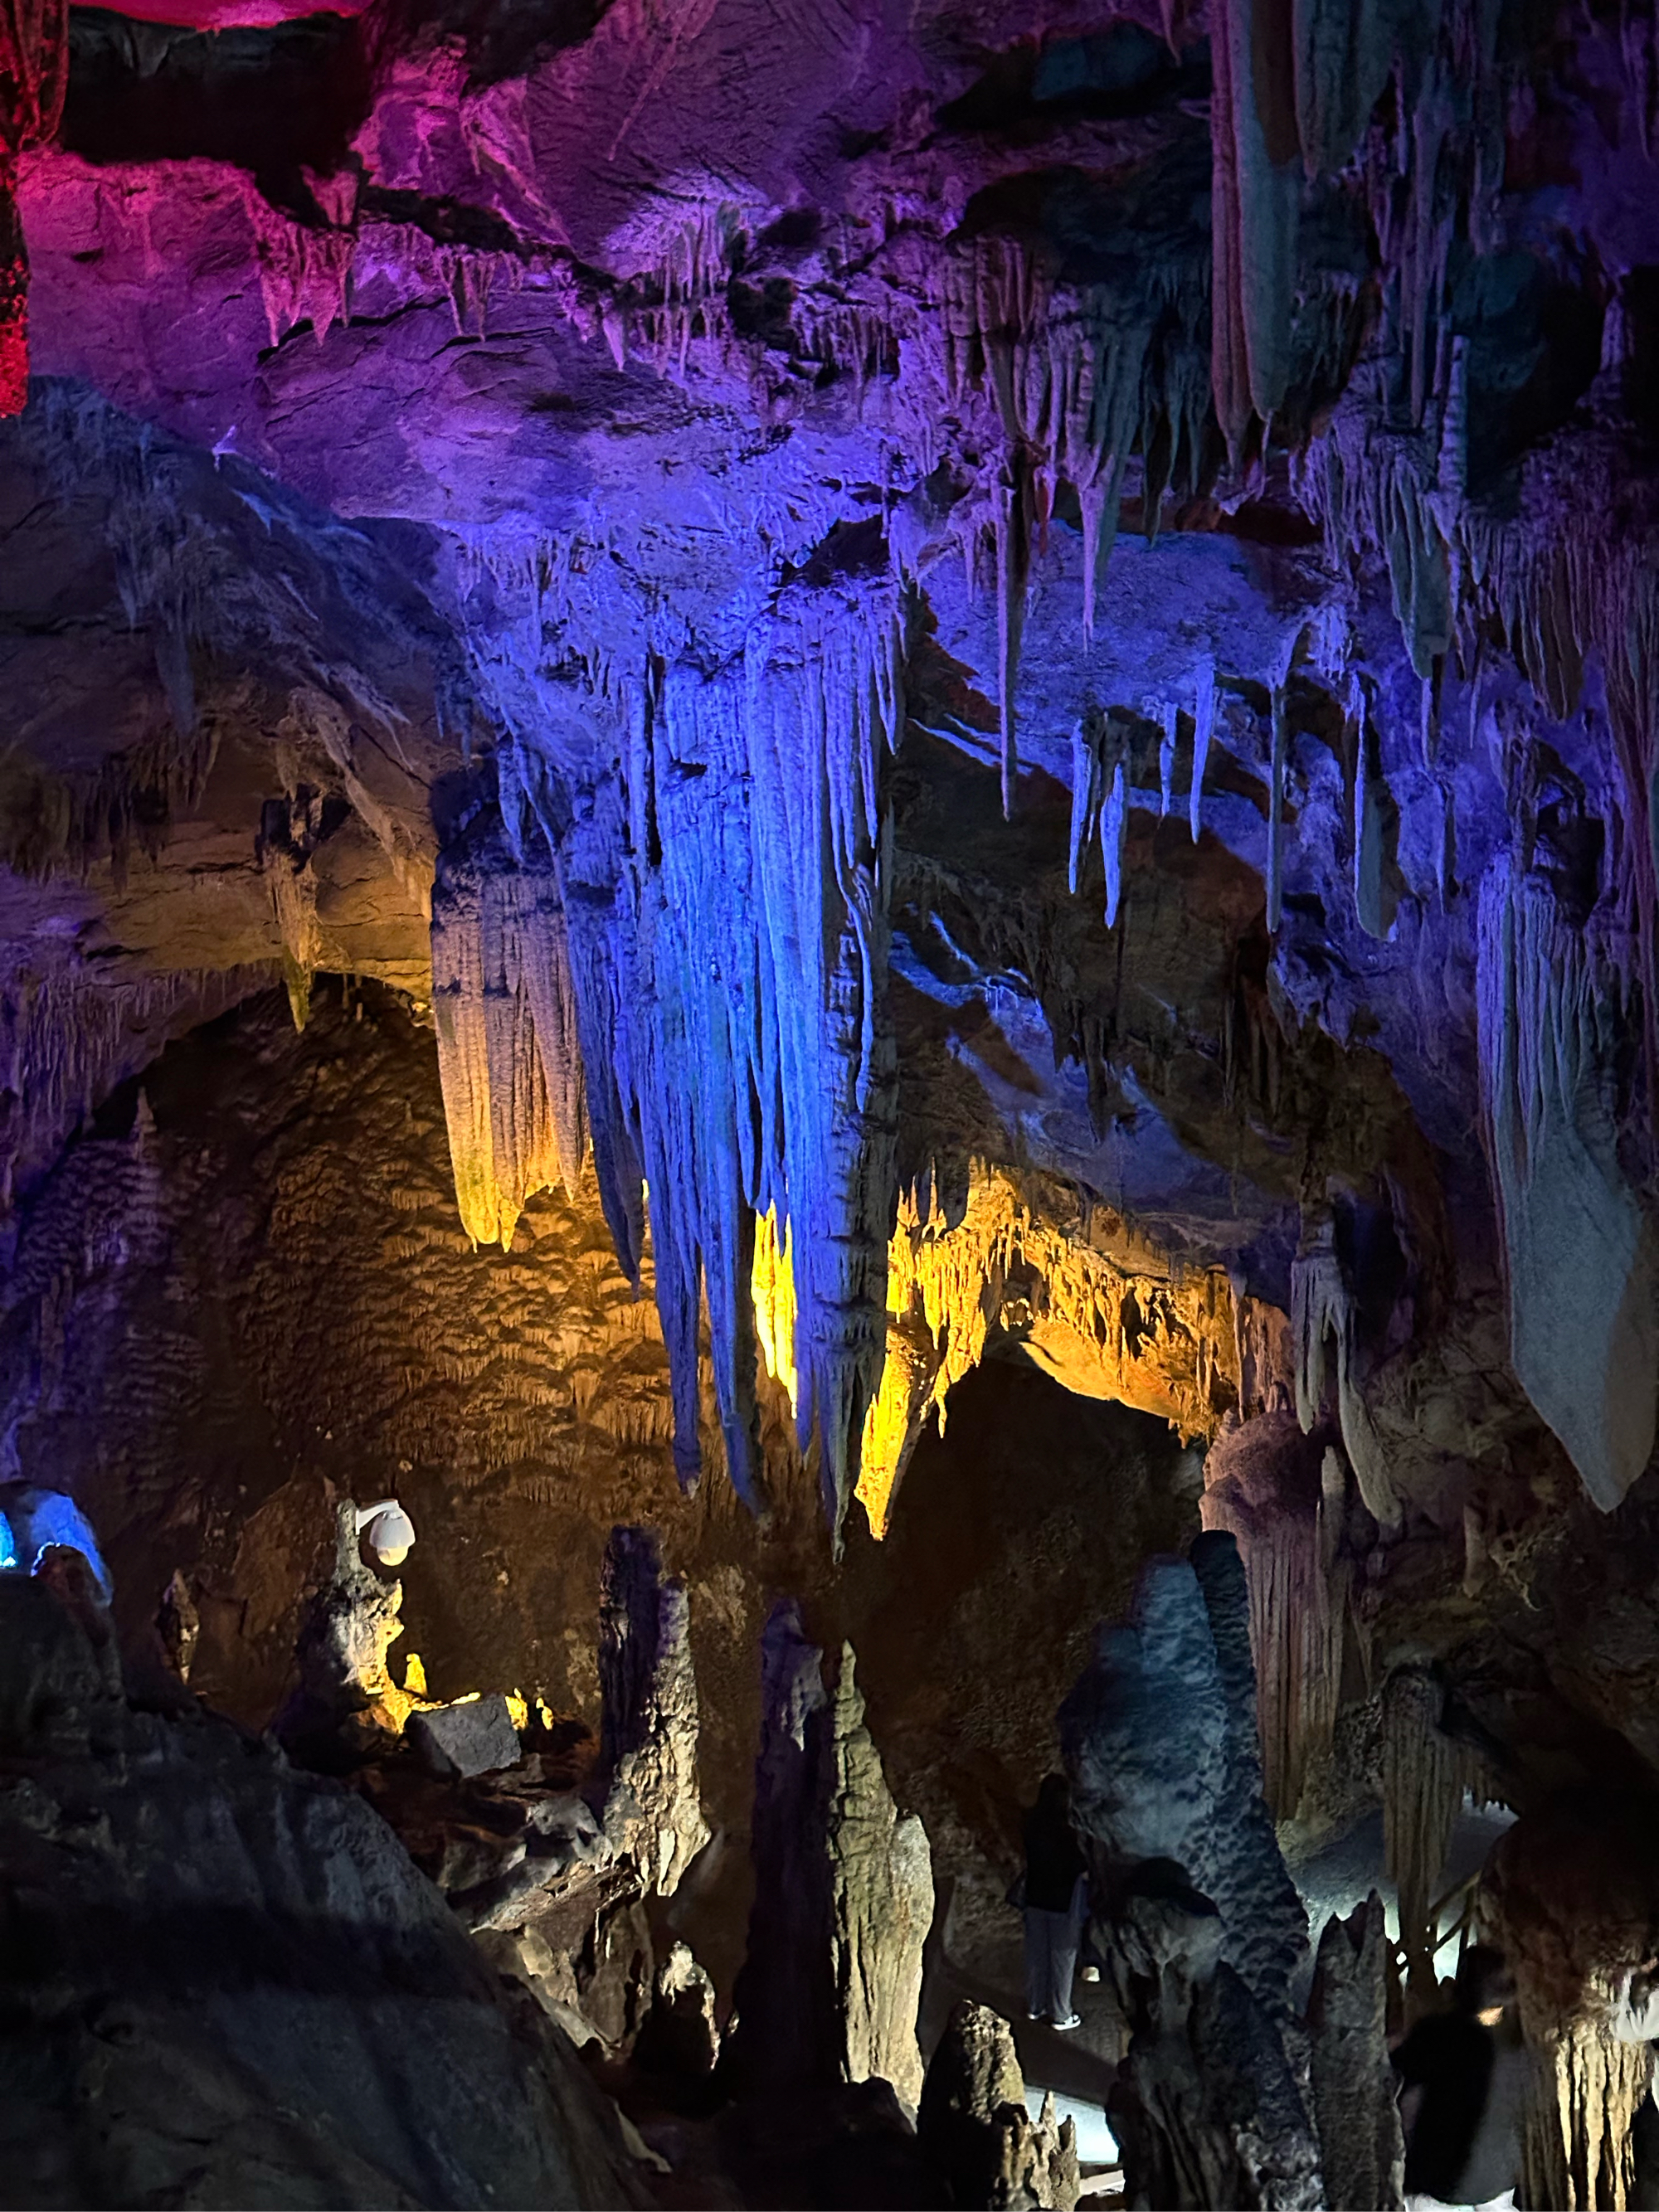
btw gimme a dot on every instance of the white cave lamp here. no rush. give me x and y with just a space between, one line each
389 1529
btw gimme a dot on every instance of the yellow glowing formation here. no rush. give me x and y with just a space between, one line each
1092 1304
1090 1301
772 1289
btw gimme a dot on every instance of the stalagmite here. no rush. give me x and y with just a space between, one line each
831 1982
1355 2105
786 2031
882 1904
974 2126
1584 1332
1204 1933
648 1747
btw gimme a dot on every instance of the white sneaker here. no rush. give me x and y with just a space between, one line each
1065 2026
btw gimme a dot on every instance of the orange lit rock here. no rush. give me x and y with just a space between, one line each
1094 1305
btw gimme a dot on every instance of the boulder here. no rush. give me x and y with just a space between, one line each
475 1737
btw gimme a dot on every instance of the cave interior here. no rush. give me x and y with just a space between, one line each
829 975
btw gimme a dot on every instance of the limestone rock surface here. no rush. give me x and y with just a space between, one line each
226 1984
973 2125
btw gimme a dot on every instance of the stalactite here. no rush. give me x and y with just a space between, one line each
1583 1338
1085 799
1257 194
1203 727
288 835
69 1033
1256 1486
1321 1307
1113 837
504 1002
1082 378
1013 566
1425 1774
1370 791
772 1293
817 723
1280 747
305 273
458 1007
1166 755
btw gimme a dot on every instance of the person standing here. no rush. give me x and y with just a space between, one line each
1463 2076
1055 1902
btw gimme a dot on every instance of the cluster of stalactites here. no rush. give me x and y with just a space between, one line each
1104 789
1072 375
1299 1612
1101 788
1294 96
762 1075
1579 2143
33 76
721 965
1116 1321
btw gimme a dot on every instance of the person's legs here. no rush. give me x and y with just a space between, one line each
1062 1966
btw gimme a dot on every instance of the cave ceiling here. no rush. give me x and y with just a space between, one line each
1036 625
